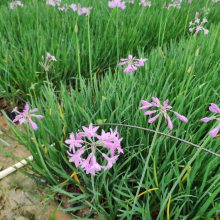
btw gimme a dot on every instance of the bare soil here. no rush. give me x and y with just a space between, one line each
20 196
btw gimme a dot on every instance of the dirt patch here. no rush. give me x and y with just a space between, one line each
20 196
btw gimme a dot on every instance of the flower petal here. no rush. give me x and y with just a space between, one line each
215 131
150 112
181 117
170 124
207 119
214 108
151 120
33 125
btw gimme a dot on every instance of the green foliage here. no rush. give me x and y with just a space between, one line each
181 67
28 33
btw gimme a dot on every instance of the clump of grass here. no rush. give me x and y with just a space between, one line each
27 33
176 176
86 86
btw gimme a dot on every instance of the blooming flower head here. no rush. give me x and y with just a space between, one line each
215 109
173 4
160 109
145 3
80 10
50 57
15 4
86 146
26 116
116 4
197 25
132 63
73 6
53 2
85 10
47 61
74 141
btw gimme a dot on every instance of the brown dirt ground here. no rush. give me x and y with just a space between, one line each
20 196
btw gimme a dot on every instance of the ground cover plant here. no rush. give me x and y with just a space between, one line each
120 111
84 44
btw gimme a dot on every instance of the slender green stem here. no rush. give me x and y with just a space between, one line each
117 34
89 43
77 48
147 162
93 189
164 29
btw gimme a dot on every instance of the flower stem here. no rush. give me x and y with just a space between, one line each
77 48
117 34
147 162
93 189
89 44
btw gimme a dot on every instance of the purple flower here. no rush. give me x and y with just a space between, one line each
132 63
80 10
173 4
145 3
90 131
111 141
111 160
197 25
76 157
73 6
160 109
50 57
53 2
92 143
215 109
15 4
74 141
117 4
26 116
90 165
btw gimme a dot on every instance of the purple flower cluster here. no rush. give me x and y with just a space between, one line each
15 4
86 146
145 3
79 9
131 63
173 4
117 4
53 2
50 57
75 7
160 109
47 61
197 25
215 109
26 116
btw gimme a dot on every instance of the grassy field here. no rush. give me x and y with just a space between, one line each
85 86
